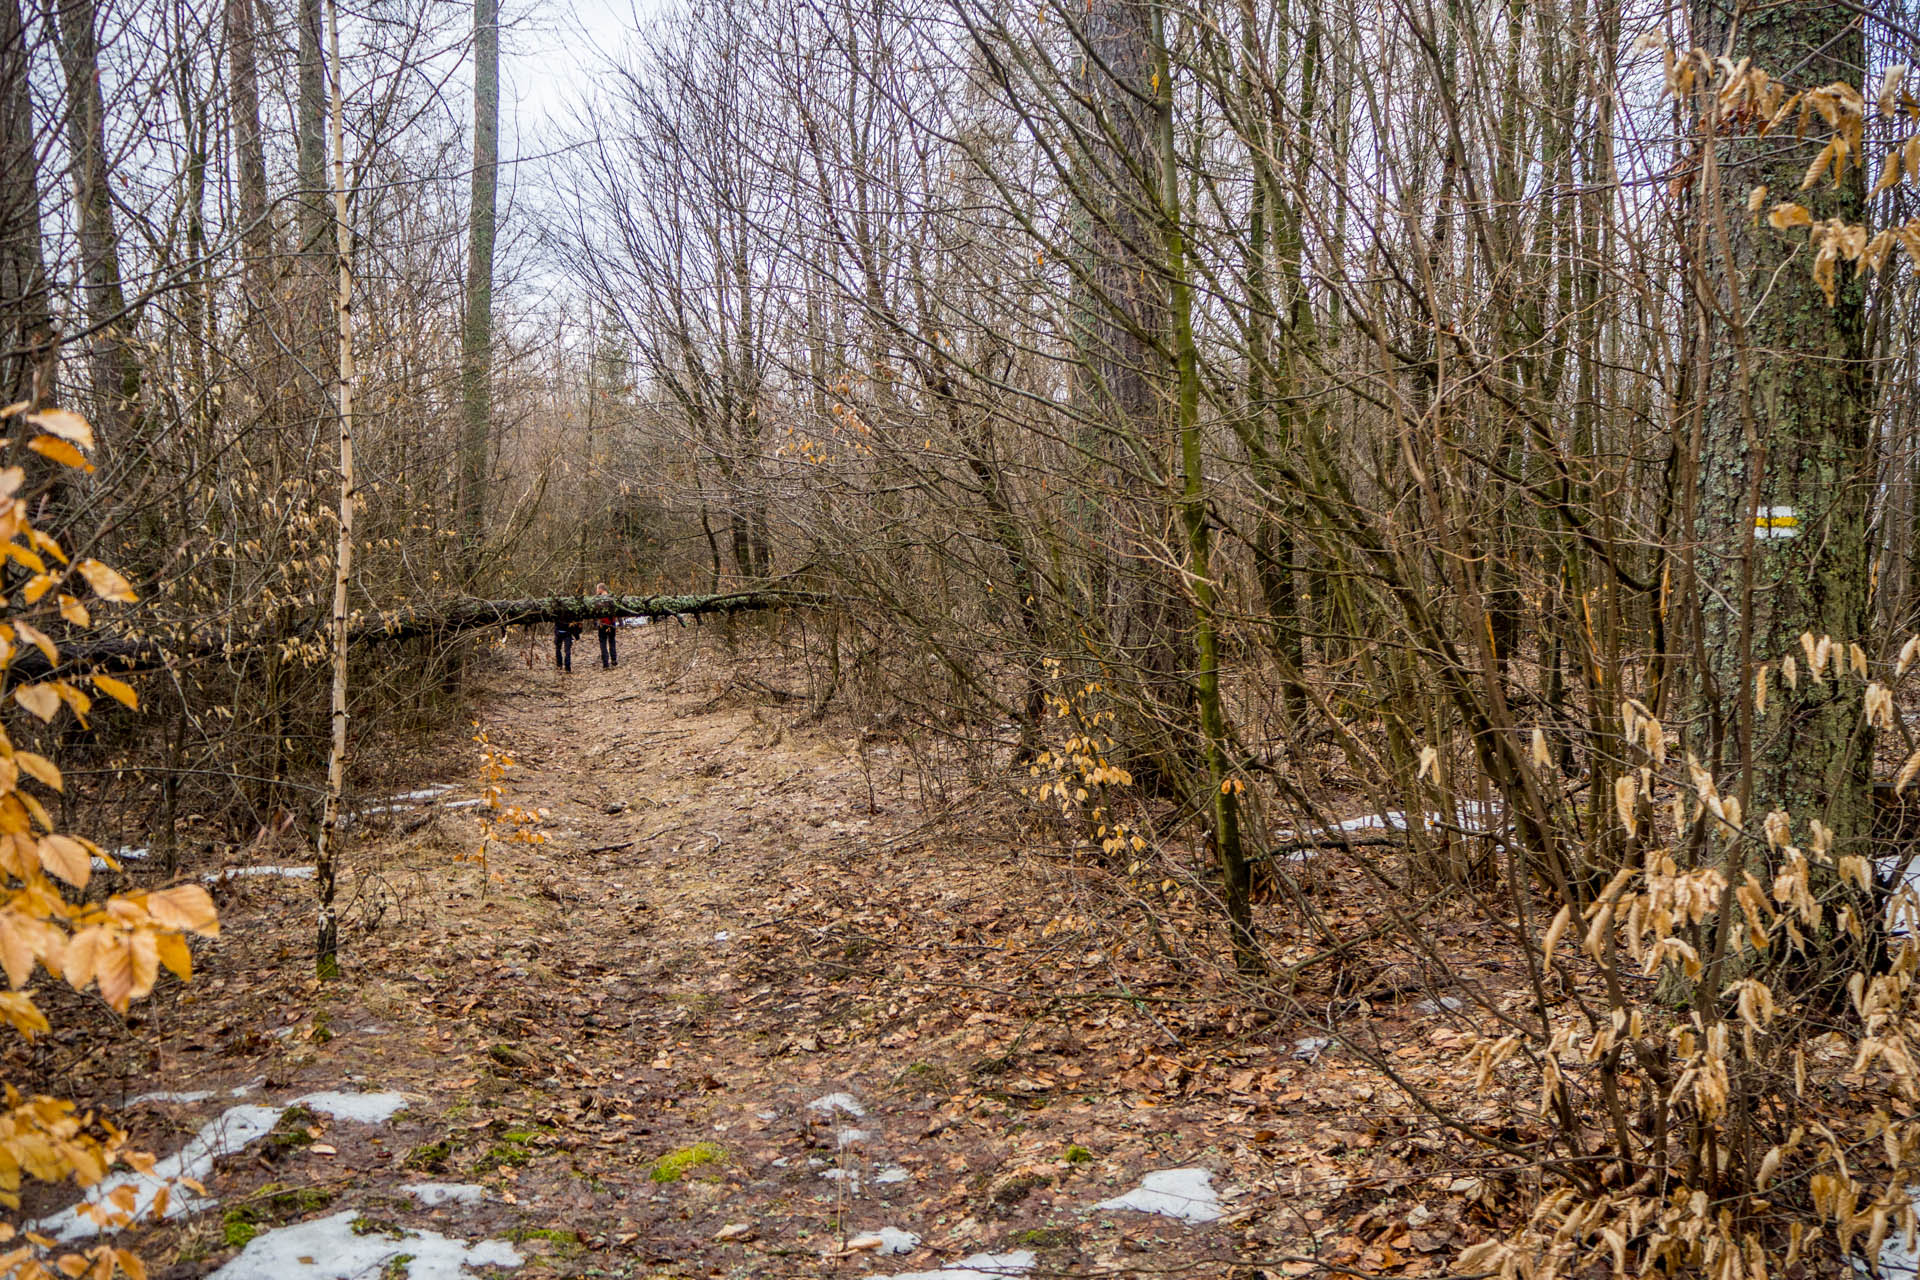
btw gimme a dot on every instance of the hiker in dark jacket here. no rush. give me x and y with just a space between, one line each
608 627
564 630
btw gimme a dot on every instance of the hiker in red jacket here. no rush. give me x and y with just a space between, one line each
608 626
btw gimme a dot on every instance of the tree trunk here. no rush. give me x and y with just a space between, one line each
447 618
250 165
1236 875
327 959
1784 441
116 376
1121 376
311 130
308 325
476 342
25 324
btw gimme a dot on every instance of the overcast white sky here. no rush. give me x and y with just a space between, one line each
550 53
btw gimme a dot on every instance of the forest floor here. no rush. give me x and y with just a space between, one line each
754 999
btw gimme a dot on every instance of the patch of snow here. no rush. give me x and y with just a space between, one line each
433 792
722 936
330 1249
833 1102
891 1174
232 873
886 1240
1186 1194
362 1108
1903 891
1897 1260
234 1130
981 1266
123 854
1451 1004
1309 1048
434 1194
782 1162
848 1176
848 1137
1393 820
462 804
1470 815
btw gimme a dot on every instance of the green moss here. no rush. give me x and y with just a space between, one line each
1045 1238
510 1056
924 1074
1077 1154
292 1130
515 1146
1014 1190
284 1200
507 1153
673 1166
365 1225
566 1244
238 1227
430 1157
397 1268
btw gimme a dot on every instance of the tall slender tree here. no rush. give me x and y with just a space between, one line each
24 313
116 374
327 945
476 343
249 161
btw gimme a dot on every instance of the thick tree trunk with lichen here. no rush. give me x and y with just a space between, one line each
1123 385
1784 468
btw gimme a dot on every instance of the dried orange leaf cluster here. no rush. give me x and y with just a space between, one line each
118 945
1741 92
1773 883
500 822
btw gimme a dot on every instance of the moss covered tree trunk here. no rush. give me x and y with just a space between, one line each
1781 442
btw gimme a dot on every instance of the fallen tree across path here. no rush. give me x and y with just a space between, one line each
469 614
449 618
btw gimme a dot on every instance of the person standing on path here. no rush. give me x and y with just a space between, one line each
564 630
608 627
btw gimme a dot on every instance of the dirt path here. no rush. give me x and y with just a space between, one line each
729 1019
